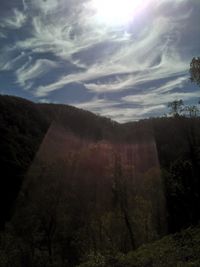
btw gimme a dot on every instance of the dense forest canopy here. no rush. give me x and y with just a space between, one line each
75 184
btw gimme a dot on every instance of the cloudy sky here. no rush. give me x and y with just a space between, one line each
124 59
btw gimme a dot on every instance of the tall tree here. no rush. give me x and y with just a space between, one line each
121 195
176 107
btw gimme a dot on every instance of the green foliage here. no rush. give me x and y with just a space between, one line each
181 250
94 260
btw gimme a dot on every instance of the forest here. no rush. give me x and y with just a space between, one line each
80 190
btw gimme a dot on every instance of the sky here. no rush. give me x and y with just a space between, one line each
124 59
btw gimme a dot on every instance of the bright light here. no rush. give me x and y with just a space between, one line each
117 12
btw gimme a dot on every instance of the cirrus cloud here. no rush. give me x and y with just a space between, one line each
151 54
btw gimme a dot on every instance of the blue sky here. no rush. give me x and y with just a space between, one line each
63 51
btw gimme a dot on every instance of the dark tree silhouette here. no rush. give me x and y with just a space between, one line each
195 70
191 111
176 107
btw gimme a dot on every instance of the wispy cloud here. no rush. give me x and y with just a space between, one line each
2 35
28 72
162 94
14 21
10 64
151 102
156 46
97 104
150 56
130 114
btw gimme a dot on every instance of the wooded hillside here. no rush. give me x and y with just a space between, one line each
75 184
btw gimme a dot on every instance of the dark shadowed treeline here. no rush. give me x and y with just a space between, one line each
178 146
22 128
23 125
88 188
80 196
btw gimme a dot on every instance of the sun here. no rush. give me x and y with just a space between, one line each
117 12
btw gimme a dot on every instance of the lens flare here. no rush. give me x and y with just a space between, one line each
117 12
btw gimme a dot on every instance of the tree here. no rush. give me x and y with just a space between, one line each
192 111
121 195
176 107
195 70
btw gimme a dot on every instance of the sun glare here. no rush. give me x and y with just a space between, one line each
117 12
